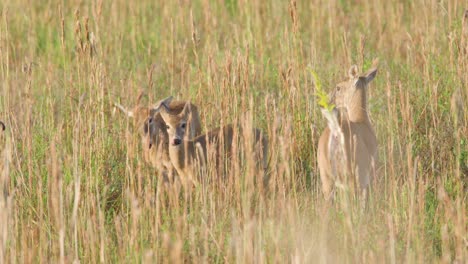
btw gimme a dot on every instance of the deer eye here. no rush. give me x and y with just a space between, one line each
183 125
167 127
150 120
338 88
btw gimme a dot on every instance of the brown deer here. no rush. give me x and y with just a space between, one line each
190 156
154 137
348 145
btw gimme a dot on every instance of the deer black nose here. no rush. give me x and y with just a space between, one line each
177 141
150 145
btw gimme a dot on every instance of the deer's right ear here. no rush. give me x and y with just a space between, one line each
164 112
162 103
353 72
166 101
162 106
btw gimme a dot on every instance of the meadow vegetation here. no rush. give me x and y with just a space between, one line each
74 182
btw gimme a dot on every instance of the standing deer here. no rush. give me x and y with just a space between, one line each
154 137
189 156
348 145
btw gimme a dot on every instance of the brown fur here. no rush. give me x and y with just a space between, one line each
154 137
356 155
190 155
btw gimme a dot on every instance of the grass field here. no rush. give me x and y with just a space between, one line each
77 189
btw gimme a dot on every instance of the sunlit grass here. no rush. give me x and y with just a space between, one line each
75 183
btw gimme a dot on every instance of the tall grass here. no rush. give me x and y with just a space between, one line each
75 184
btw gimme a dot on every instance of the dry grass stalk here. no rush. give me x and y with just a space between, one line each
79 190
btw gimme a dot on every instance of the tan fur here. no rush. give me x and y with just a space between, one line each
348 146
158 150
189 156
154 136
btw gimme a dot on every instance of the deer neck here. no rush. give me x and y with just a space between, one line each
357 107
182 155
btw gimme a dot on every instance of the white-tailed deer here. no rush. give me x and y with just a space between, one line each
189 156
154 137
348 145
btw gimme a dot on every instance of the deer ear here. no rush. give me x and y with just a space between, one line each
367 77
164 117
163 111
161 106
187 109
353 72
164 102
167 100
153 111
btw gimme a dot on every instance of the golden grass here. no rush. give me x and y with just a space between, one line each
76 187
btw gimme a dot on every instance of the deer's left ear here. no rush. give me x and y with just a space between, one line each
187 109
367 77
